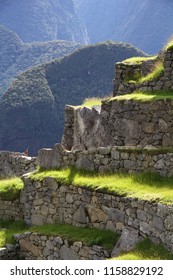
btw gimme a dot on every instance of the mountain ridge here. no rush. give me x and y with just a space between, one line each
43 20
146 24
32 109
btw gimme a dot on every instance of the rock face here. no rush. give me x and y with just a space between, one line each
127 242
128 21
43 20
31 110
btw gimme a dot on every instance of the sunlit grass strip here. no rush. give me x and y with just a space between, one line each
151 187
146 250
10 188
155 74
88 236
8 229
169 45
145 96
137 78
138 59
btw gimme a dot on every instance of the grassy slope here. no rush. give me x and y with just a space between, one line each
89 236
146 96
150 187
146 250
10 188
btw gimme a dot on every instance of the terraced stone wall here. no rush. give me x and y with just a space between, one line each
121 123
124 70
11 210
34 246
116 159
15 164
49 202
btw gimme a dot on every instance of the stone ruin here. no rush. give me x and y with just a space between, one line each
119 135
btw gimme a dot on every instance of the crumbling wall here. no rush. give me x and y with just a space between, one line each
15 164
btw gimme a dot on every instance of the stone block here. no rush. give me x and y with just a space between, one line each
66 253
45 158
37 220
127 242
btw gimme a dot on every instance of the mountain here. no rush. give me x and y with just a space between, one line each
144 23
16 56
43 20
31 110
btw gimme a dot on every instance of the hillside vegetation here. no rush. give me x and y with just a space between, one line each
31 110
17 56
43 20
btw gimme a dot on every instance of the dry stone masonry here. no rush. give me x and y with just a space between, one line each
49 202
164 82
115 158
15 164
127 136
11 210
34 246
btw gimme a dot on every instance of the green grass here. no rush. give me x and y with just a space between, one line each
146 250
93 101
155 74
8 229
137 78
90 102
88 236
169 45
145 96
151 187
138 59
10 188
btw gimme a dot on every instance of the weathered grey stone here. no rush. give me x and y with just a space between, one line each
145 228
69 198
47 252
127 241
115 215
27 245
37 220
81 215
45 158
49 244
96 214
115 154
169 222
44 210
158 223
84 163
67 254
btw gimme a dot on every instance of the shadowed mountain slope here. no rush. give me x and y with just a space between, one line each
43 20
15 56
31 110
145 23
